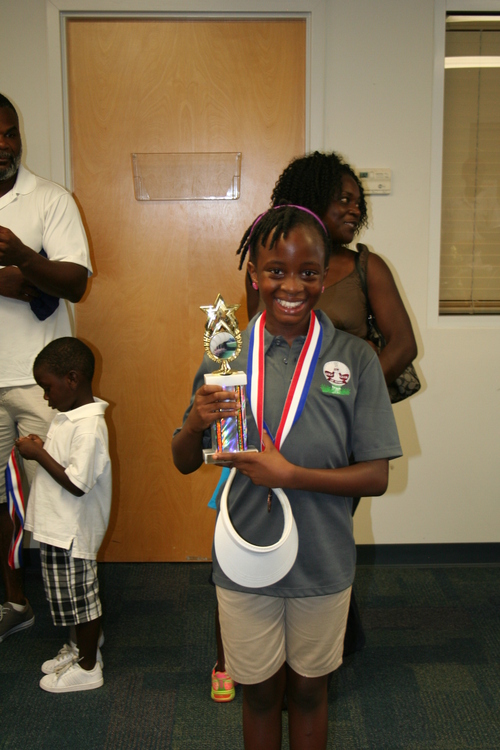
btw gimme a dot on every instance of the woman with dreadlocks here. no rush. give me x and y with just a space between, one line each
327 185
320 412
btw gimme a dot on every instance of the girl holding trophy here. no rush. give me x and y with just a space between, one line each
284 553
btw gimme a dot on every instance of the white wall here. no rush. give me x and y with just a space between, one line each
378 113
24 76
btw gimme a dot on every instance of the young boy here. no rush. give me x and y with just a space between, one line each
68 509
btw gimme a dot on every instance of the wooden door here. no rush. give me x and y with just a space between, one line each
157 86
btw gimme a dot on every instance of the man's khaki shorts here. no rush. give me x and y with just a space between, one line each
23 411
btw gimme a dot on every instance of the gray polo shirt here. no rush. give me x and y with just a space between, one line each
347 414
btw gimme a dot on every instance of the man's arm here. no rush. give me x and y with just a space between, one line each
14 285
59 278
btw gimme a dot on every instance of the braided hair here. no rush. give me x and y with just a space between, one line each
279 222
314 181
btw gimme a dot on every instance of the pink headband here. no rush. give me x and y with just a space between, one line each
288 205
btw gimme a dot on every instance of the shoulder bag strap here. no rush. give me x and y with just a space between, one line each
362 249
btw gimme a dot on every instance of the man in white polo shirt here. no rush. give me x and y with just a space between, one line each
44 261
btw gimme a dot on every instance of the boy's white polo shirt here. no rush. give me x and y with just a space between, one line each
78 440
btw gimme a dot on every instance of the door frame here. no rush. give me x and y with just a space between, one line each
313 11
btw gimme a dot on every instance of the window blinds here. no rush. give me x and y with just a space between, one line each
470 220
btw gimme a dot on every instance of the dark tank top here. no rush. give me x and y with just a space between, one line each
345 301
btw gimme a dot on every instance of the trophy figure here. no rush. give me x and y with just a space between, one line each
222 342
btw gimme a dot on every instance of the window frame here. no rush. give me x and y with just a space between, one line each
434 318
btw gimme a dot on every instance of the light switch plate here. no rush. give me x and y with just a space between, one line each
376 181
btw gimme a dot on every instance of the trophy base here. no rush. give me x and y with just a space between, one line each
233 378
208 455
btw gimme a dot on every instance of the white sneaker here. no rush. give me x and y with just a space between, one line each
67 654
71 678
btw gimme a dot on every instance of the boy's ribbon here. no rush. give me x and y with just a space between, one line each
301 381
15 499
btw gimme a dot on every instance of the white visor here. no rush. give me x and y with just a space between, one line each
250 565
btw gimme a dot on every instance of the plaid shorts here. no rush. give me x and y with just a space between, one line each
71 586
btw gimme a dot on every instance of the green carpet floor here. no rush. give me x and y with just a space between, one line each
428 679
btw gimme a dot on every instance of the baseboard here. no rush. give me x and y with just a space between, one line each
429 554
487 553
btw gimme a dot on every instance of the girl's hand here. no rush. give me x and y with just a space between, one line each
29 447
211 402
268 468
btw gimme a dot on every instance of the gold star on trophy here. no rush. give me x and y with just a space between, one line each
220 313
222 339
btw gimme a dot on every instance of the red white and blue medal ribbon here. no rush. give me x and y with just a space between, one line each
15 500
301 381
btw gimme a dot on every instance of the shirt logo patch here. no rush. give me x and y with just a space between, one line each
337 375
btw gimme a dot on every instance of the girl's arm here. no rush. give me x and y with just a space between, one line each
210 403
391 317
358 480
187 446
31 447
271 469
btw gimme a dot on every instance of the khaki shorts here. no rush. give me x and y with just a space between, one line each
260 633
23 411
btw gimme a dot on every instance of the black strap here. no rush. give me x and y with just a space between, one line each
362 276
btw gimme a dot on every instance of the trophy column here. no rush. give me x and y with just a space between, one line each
230 433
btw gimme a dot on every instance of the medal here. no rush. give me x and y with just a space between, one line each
299 387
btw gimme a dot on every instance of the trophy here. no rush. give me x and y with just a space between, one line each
222 342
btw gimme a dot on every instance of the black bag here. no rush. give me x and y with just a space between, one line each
405 384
